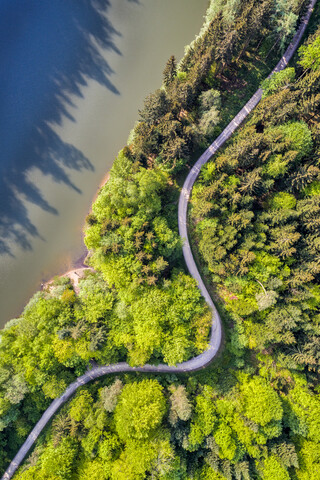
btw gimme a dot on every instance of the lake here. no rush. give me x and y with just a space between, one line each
74 75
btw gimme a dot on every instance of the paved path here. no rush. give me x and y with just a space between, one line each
215 338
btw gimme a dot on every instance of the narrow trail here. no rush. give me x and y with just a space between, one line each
205 358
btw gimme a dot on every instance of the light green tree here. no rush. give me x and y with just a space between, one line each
140 410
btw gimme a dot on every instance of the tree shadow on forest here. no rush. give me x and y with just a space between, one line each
49 52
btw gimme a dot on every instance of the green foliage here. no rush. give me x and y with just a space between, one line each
305 407
155 106
272 468
282 201
251 231
286 19
299 136
255 220
260 402
278 81
204 420
313 189
180 406
109 395
81 406
309 461
140 410
170 71
250 415
277 166
310 55
56 462
209 99
209 121
228 9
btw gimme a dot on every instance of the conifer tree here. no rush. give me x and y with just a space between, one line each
170 71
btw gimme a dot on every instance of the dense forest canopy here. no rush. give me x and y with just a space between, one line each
254 414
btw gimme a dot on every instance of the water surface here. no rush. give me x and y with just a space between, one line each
74 74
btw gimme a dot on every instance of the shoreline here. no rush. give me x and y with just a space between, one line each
74 275
105 179
78 267
98 124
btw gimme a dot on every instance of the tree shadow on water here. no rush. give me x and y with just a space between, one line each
49 50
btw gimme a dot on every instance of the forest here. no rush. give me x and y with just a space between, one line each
255 412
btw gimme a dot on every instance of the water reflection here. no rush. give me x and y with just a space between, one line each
49 50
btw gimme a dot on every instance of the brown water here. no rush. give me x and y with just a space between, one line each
61 176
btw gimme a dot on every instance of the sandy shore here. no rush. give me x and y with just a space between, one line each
75 276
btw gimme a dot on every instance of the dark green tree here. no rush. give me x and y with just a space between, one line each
170 71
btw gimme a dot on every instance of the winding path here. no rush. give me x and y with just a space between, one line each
205 358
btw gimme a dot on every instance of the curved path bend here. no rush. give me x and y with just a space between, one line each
216 331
